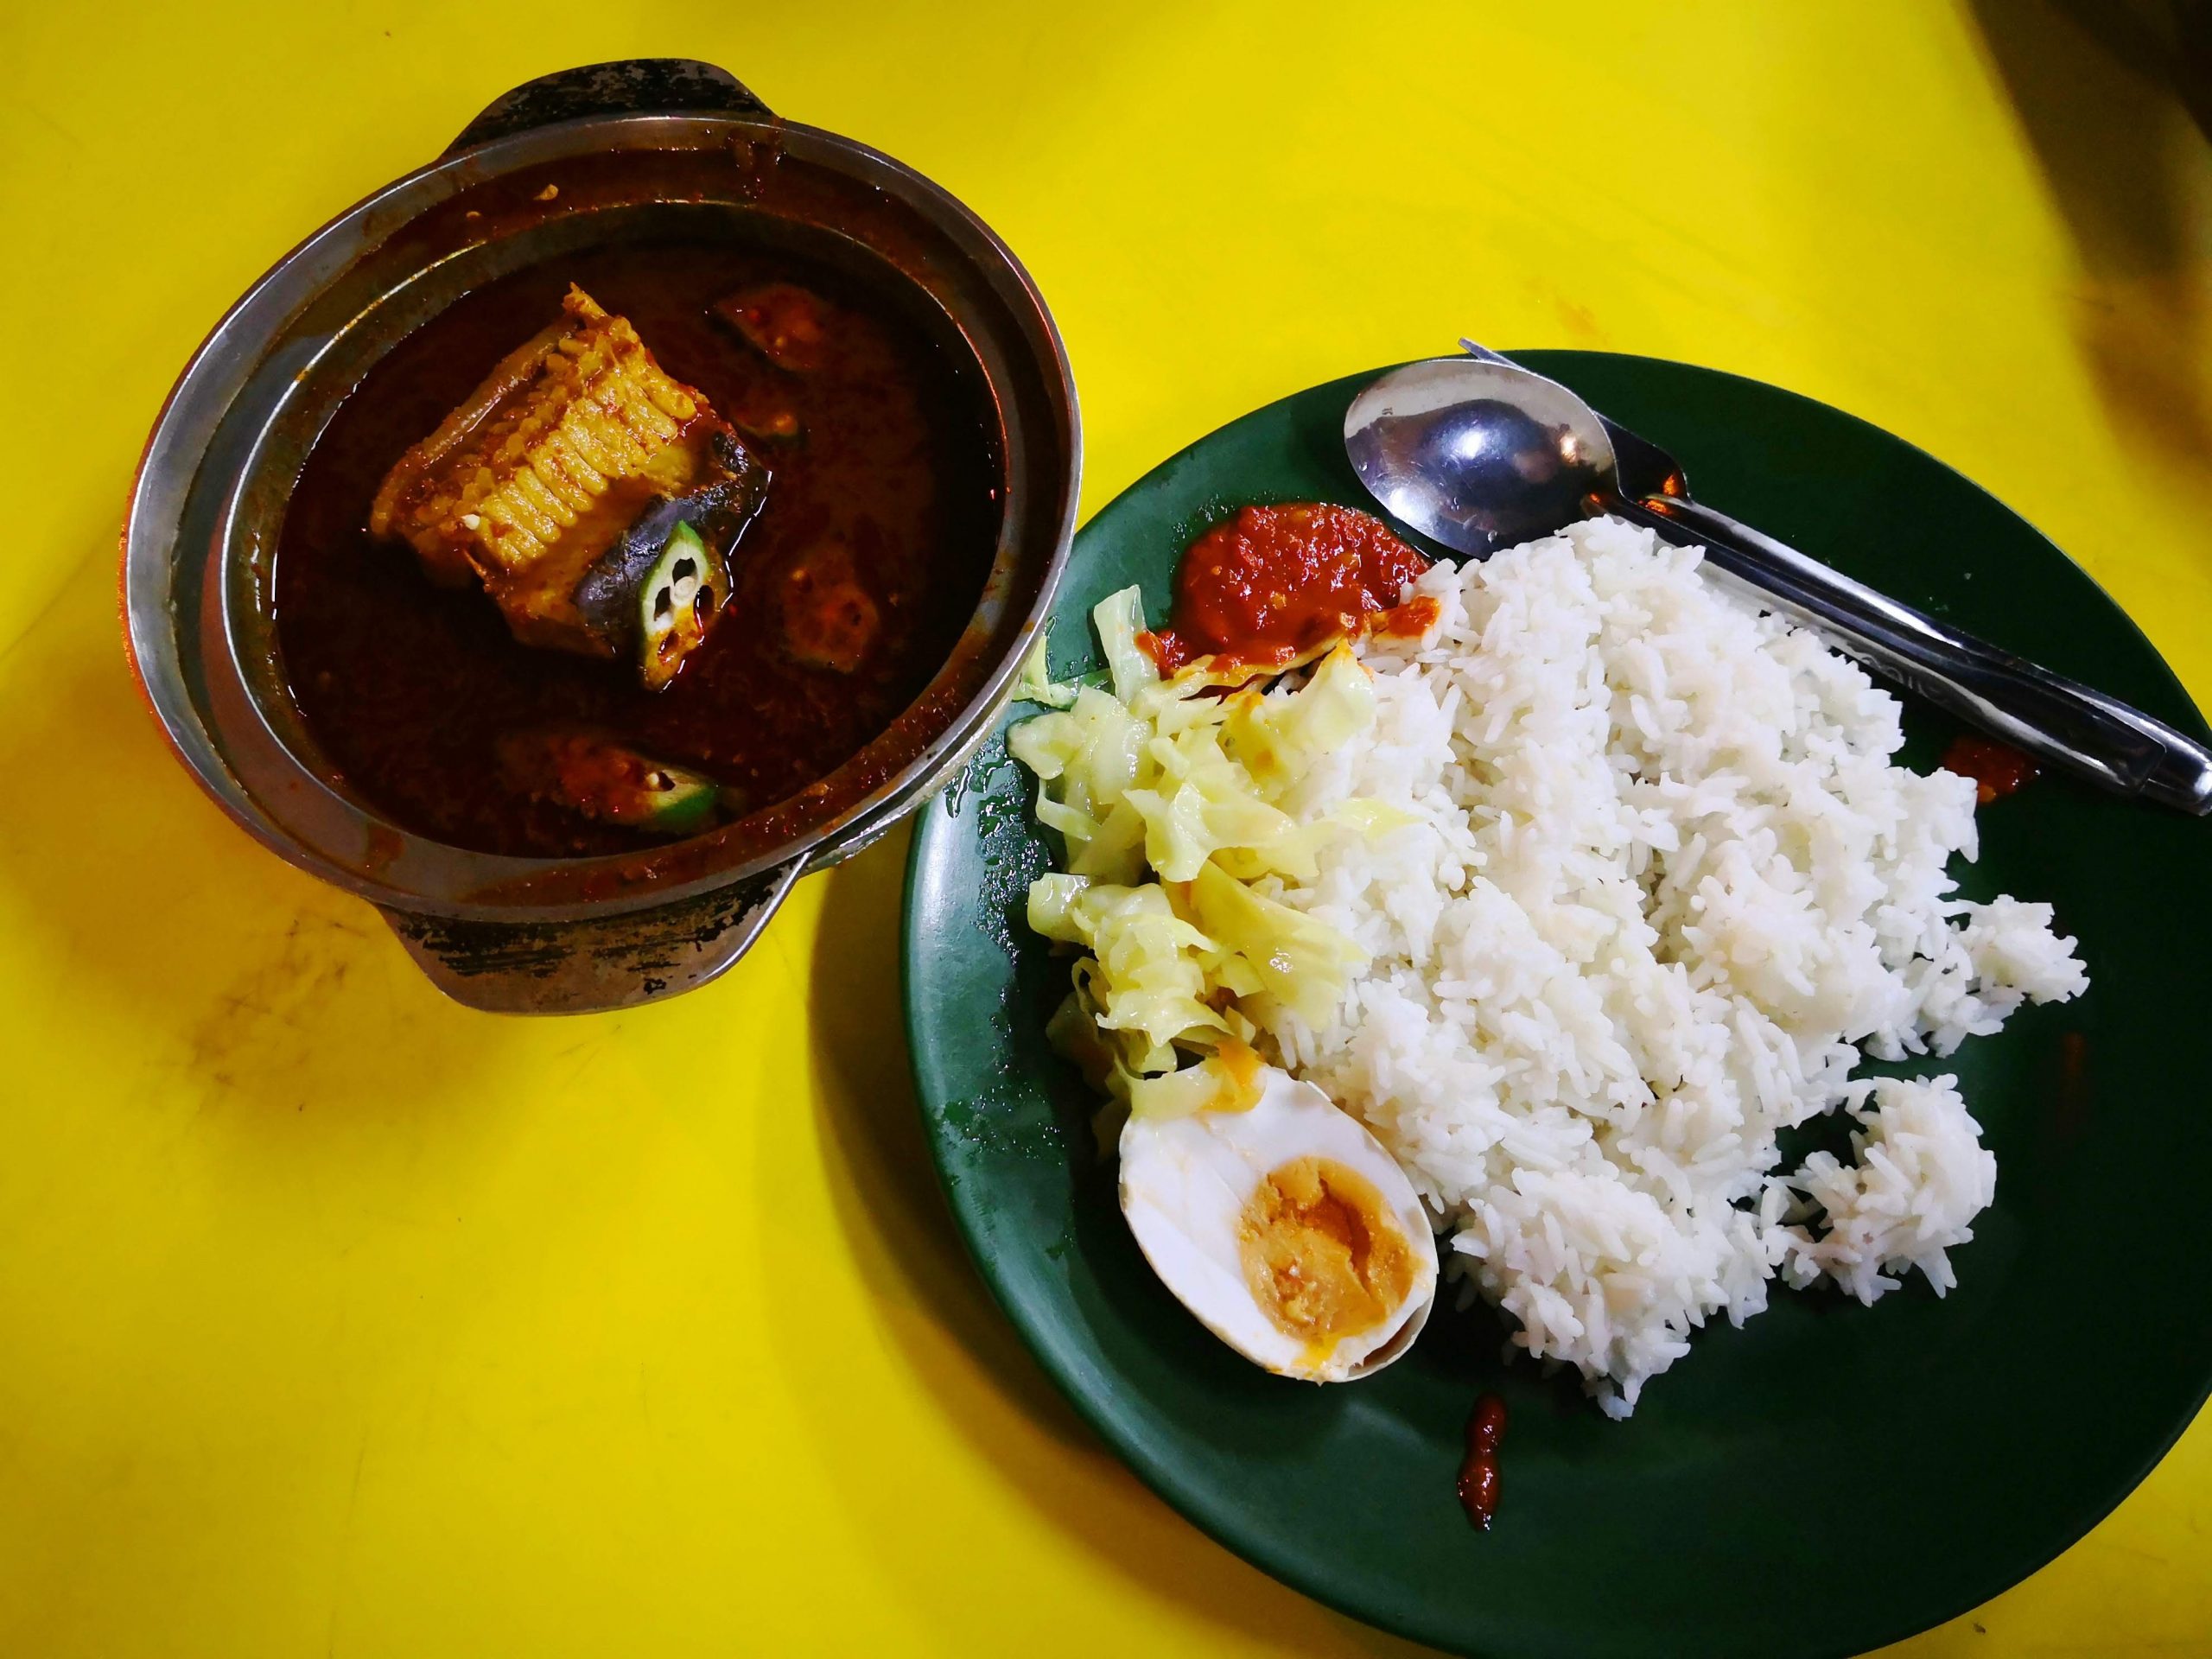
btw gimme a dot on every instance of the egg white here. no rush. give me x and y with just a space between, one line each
1186 1180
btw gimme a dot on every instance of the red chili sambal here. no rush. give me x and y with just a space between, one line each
1998 769
1274 584
1479 1480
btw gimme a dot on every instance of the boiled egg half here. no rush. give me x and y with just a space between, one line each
1286 1227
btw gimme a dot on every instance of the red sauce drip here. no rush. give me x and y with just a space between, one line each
1997 769
1268 586
1479 1474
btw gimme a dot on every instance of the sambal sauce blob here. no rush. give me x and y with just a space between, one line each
1998 769
1478 1485
1269 586
801 584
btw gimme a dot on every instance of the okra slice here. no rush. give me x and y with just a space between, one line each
829 619
783 321
617 598
610 782
682 592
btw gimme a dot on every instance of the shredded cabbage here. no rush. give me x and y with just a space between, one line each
1035 683
1227 1080
1119 619
1175 802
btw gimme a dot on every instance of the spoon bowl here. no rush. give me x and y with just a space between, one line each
1480 454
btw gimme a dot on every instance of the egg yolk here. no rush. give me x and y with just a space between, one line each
1323 1256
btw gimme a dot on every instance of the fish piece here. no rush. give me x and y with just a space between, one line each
559 482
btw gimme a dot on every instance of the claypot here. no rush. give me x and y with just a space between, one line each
638 150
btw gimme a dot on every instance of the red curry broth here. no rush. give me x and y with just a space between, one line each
896 471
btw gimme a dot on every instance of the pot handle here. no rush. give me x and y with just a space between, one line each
625 87
597 964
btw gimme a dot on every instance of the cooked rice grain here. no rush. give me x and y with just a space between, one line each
1664 889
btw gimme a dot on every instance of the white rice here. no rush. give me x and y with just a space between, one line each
1665 887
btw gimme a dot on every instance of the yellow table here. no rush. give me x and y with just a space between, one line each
336 1319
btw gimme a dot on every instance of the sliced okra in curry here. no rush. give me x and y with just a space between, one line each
768 423
610 782
829 618
682 593
654 594
783 323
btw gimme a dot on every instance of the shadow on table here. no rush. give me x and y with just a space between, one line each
2115 98
900 1226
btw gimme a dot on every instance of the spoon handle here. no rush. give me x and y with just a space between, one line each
2070 725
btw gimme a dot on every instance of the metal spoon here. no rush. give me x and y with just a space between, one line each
1481 453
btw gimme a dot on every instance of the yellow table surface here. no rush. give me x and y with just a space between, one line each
337 1319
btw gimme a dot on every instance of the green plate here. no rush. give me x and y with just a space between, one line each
1830 1478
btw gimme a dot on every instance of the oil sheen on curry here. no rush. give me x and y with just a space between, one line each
632 543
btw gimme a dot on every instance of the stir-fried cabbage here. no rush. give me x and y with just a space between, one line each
1119 619
1035 683
1174 800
